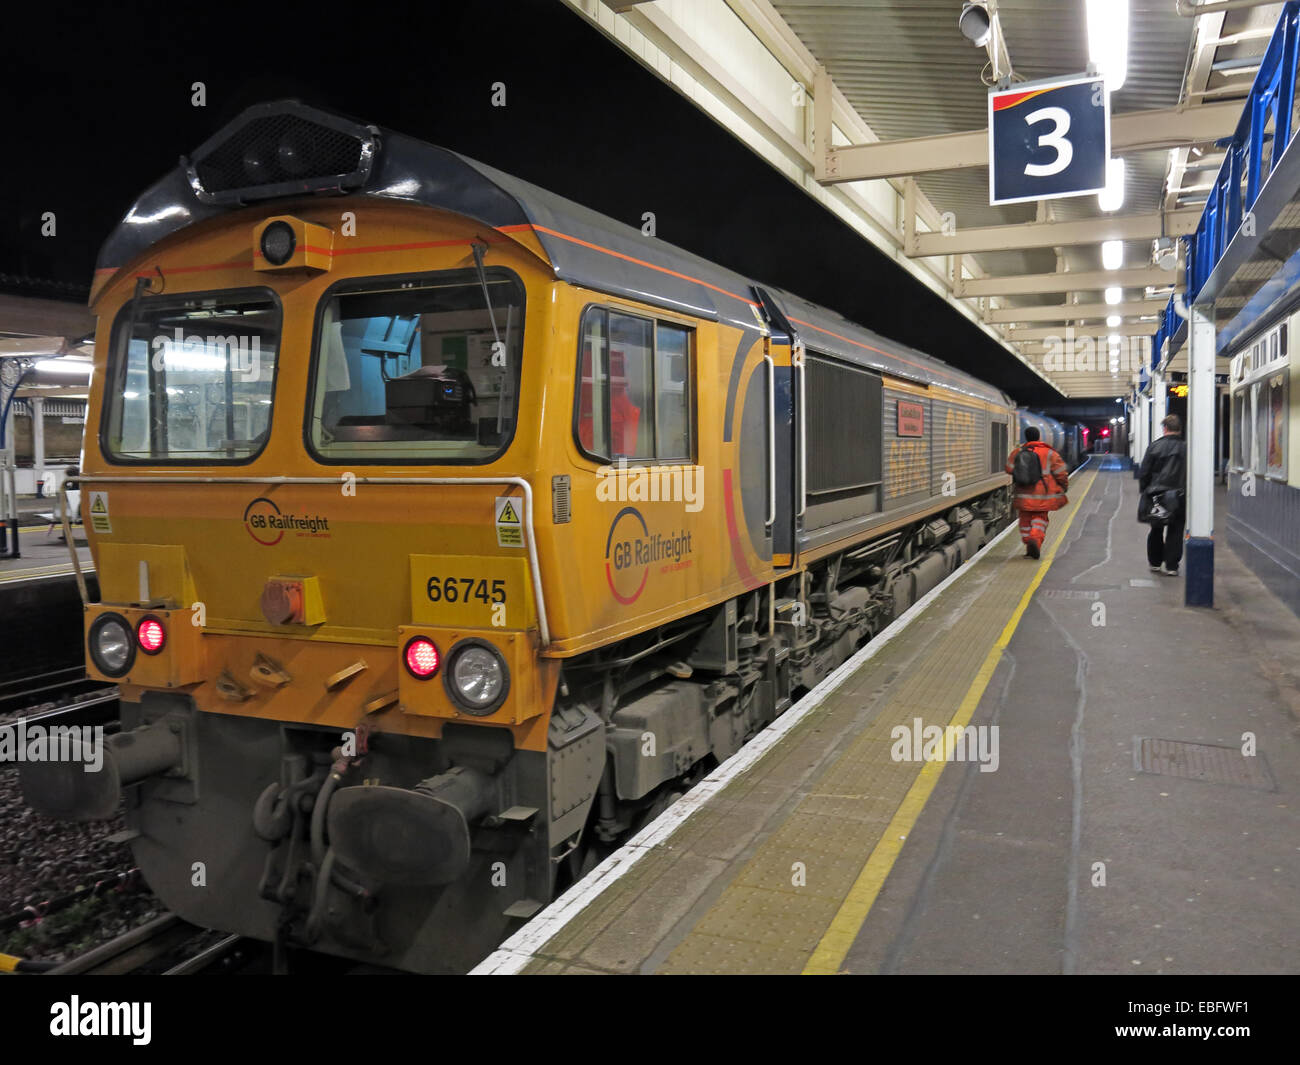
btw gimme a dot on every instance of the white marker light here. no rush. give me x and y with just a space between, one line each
1108 40
1112 254
1111 198
64 366
1114 294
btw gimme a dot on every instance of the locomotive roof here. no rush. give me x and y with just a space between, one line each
584 247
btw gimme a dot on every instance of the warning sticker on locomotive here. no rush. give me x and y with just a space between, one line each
911 419
509 520
474 591
99 512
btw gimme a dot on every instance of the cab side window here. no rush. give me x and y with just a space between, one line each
634 388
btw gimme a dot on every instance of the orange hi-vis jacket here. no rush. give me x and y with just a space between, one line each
1049 492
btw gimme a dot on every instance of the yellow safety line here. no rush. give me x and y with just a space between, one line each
852 914
36 571
8 963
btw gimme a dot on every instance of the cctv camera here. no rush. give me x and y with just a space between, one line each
1164 253
974 24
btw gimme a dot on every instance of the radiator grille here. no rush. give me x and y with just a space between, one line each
843 427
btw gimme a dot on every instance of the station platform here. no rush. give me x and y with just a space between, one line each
1111 824
44 555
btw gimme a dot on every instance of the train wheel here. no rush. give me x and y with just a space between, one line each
584 858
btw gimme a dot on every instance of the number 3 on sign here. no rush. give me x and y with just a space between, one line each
1060 119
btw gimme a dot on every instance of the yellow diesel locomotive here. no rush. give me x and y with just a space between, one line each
446 530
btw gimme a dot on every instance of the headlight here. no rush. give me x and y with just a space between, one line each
278 243
111 647
477 679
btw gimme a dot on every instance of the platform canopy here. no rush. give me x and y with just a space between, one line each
878 108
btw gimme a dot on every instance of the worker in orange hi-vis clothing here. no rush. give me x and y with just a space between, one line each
1040 479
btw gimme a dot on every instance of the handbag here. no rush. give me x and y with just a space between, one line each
1159 508
1144 508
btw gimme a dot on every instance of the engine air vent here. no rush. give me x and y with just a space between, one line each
560 507
281 149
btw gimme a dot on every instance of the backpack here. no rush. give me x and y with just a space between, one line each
1028 470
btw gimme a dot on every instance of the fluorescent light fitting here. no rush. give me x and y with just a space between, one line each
1113 320
1114 294
1108 40
1112 254
64 366
1111 198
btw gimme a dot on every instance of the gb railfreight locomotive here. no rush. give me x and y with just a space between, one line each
446 530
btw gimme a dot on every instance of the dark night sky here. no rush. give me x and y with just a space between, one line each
100 108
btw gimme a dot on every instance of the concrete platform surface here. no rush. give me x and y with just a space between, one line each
1103 819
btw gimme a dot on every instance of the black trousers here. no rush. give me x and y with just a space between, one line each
1165 542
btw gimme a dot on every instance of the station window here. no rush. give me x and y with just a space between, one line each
1240 430
634 388
418 369
1276 418
191 379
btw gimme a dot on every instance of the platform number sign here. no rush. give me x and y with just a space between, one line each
1048 139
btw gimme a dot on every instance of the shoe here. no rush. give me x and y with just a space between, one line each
1155 569
1031 549
1165 571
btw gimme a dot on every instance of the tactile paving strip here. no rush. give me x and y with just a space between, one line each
1202 761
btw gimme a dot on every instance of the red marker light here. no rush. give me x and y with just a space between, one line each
1105 432
422 657
150 635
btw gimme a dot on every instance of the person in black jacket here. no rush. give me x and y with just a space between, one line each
1164 469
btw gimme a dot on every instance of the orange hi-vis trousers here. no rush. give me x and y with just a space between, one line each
1033 526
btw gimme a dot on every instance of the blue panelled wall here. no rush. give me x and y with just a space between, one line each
1264 530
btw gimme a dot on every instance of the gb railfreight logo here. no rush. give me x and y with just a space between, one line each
631 549
267 525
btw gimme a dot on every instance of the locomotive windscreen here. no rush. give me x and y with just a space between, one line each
419 370
195 379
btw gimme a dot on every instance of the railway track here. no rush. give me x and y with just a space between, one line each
163 946
54 688
78 702
38 912
134 950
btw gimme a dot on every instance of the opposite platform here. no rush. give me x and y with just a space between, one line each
44 555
